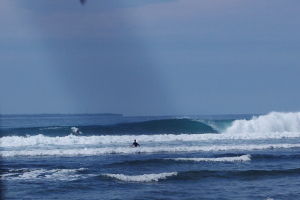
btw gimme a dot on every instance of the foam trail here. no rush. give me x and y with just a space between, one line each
141 178
126 150
270 123
242 158
40 140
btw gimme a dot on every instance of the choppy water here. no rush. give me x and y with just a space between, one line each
190 157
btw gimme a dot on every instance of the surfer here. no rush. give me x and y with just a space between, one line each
135 144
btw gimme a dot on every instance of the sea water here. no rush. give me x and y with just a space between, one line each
180 157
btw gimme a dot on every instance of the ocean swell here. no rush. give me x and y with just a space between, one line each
173 126
161 126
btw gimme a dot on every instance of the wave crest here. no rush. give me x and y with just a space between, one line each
141 178
242 158
270 123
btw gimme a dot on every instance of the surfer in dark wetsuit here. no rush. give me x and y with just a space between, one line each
135 144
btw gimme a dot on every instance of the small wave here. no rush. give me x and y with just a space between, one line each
274 122
242 158
50 128
141 178
31 131
43 174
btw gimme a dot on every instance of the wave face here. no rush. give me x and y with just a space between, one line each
161 126
271 123
174 126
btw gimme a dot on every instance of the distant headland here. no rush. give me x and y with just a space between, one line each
62 115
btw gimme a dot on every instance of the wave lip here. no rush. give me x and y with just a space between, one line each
270 123
242 158
141 178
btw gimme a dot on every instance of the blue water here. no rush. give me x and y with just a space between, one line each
180 157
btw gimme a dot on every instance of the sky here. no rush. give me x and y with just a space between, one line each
154 57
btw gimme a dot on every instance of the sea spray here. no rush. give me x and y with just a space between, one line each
274 122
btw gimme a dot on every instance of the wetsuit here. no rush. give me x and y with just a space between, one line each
135 144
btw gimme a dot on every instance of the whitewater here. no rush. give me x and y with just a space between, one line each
180 157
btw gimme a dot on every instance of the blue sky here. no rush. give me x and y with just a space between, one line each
156 57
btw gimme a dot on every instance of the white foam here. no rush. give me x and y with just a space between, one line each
43 174
242 158
141 178
274 122
41 140
75 130
126 150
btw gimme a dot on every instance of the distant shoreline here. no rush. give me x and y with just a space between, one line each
62 115
239 116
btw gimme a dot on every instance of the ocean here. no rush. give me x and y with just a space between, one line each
89 156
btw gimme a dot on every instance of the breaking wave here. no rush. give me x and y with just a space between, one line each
242 158
270 123
274 122
141 178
